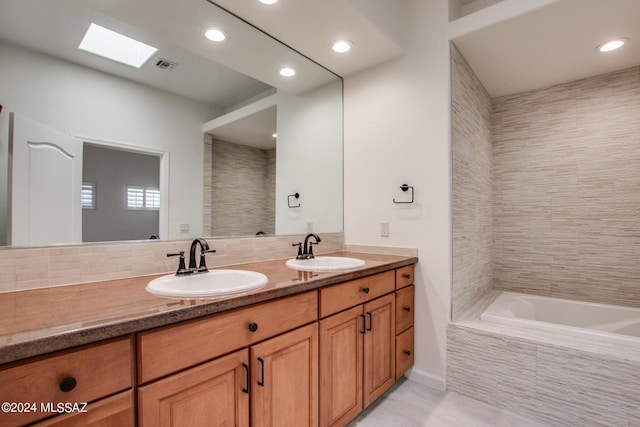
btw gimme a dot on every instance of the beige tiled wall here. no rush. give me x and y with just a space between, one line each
566 190
554 209
539 378
239 188
31 268
471 183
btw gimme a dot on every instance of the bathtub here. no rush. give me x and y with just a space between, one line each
607 323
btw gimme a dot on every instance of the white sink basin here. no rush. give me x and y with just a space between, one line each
205 285
325 263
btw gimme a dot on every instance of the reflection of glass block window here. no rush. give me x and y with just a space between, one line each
144 198
88 195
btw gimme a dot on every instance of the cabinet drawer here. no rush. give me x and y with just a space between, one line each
167 350
98 371
345 295
113 411
404 276
404 352
404 308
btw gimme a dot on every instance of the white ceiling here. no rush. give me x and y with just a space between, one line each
513 46
551 45
544 42
310 26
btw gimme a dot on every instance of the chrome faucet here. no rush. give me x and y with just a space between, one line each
308 246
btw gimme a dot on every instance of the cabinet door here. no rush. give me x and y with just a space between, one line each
341 338
379 347
114 411
216 391
285 380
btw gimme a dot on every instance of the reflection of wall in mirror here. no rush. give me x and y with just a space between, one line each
112 171
80 101
309 158
241 184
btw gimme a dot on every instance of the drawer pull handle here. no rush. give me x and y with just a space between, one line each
261 382
407 309
68 384
407 276
253 327
364 324
407 352
365 290
370 321
246 387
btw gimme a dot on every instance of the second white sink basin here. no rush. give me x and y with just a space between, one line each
206 285
325 263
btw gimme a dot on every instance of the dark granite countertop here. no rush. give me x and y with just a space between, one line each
41 321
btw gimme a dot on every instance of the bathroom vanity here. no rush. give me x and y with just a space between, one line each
307 349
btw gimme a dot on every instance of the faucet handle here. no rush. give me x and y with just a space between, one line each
182 269
202 267
299 245
310 254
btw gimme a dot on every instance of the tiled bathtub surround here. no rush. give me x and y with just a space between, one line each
561 381
32 268
566 204
556 204
471 182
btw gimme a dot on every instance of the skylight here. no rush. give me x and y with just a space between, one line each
115 46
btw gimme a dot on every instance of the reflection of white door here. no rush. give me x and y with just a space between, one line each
45 184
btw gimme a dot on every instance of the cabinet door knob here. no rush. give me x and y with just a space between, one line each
365 290
407 352
407 309
407 276
68 384
253 327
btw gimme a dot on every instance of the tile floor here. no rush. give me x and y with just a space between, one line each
409 404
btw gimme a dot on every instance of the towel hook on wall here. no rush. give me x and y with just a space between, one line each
297 196
405 187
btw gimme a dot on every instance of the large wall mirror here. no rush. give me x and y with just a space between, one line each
225 142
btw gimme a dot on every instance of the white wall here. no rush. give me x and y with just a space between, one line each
397 130
80 101
309 159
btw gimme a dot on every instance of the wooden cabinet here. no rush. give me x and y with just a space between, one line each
275 380
167 350
341 347
404 329
217 390
79 376
404 276
114 411
379 348
285 380
357 348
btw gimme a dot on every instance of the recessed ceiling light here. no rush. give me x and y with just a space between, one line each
275 135
612 45
268 1
215 34
341 46
115 46
287 72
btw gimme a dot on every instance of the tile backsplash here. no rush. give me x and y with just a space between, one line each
31 268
